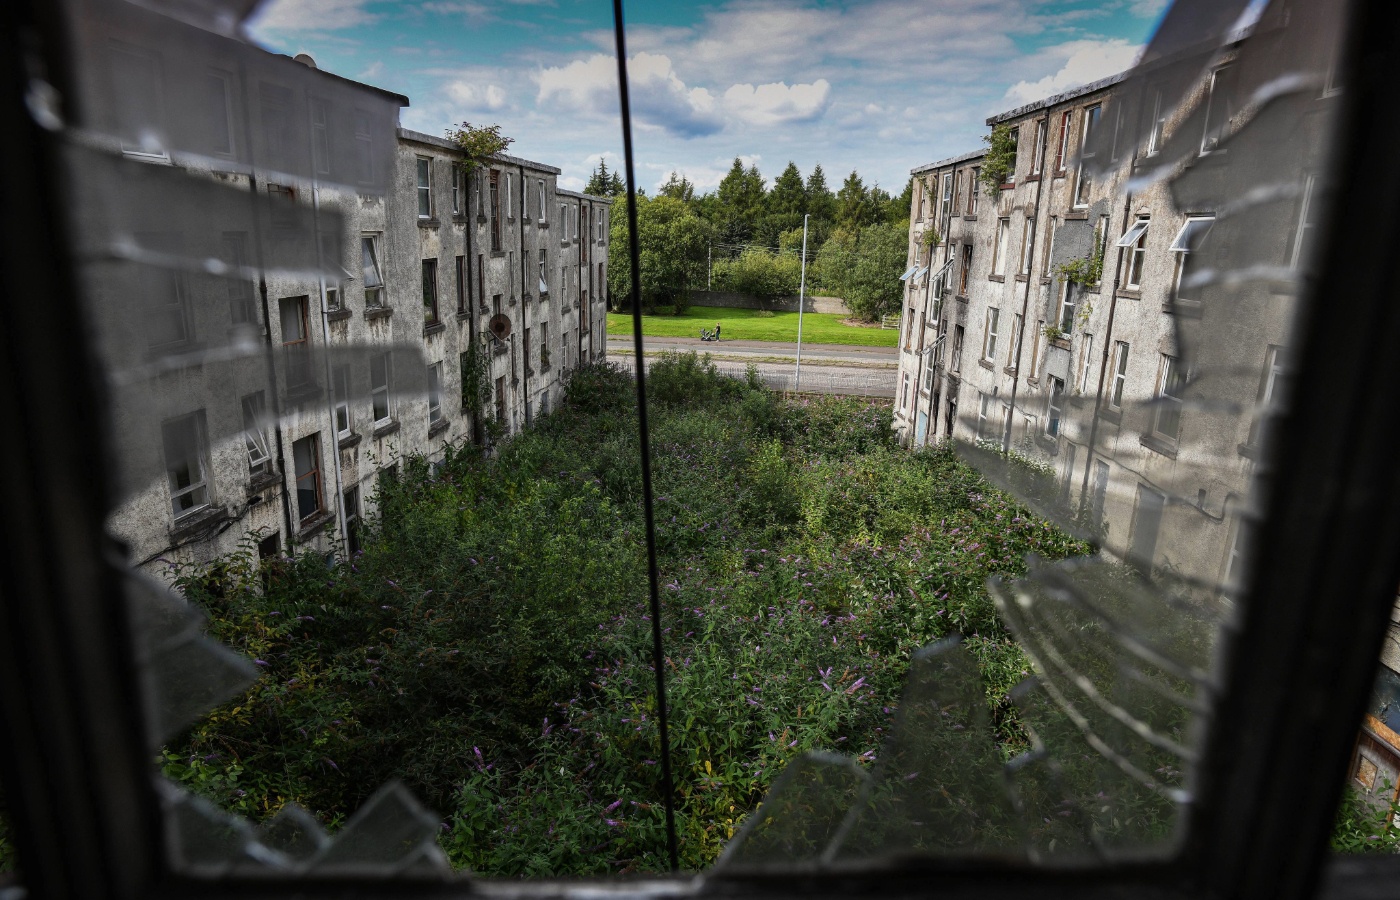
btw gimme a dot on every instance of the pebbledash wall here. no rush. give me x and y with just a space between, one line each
428 265
1157 443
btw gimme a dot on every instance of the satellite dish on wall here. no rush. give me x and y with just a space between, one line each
499 326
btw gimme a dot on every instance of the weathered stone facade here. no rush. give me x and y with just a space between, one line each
270 397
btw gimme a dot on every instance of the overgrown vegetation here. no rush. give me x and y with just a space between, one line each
490 644
478 143
1365 828
1085 271
999 162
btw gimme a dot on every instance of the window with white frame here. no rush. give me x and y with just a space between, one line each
1220 108
371 271
1062 146
1159 122
435 393
1002 247
1166 418
1086 358
364 147
1027 243
380 375
1035 348
1083 180
1054 406
425 188
1064 316
1015 154
296 340
1187 241
340 387
220 113
168 321
255 433
456 190
510 207
946 200
1269 390
186 446
1049 245
1134 240
1120 374
540 184
1146 525
1307 222
1015 343
989 334
975 192
306 457
1100 490
1038 151
984 408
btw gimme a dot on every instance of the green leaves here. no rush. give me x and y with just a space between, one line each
477 142
999 162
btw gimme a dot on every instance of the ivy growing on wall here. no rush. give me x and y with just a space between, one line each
1085 271
999 163
478 143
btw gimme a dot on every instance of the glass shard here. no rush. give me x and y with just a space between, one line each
801 814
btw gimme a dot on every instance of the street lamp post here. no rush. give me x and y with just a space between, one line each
801 302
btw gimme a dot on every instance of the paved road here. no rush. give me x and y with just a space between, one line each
835 352
871 371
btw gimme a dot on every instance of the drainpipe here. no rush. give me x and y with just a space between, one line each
1030 275
273 399
470 270
520 229
1103 364
329 370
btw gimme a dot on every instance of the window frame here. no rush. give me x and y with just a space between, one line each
991 321
1167 401
423 186
434 394
198 439
1000 250
430 292
1121 349
1083 183
313 441
370 242
381 387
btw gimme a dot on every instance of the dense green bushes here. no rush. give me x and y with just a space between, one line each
491 644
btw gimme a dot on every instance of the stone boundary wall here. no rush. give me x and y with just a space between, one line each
782 304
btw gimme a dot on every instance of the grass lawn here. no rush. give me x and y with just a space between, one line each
747 325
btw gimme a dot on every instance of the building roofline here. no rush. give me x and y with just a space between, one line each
1057 99
419 137
393 95
582 196
950 161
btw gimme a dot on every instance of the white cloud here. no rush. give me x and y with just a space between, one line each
1084 61
660 99
312 15
468 95
775 104
1147 9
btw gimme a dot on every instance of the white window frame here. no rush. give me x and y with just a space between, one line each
543 206
1305 226
1134 240
1090 119
1064 311
1086 356
374 271
198 487
1159 123
1210 142
435 393
1038 155
319 472
1003 240
1120 374
254 435
1193 230
989 334
1054 405
340 388
1027 243
456 190
381 389
1167 403
1049 245
510 207
424 186
1015 344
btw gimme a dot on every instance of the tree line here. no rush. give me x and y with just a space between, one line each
746 236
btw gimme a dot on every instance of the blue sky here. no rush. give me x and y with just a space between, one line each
879 86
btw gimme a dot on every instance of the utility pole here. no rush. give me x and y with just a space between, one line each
801 302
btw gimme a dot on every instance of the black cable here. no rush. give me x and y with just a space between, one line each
658 657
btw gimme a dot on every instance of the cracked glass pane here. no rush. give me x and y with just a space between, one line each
385 509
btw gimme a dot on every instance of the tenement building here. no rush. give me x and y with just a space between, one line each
296 295
1117 309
